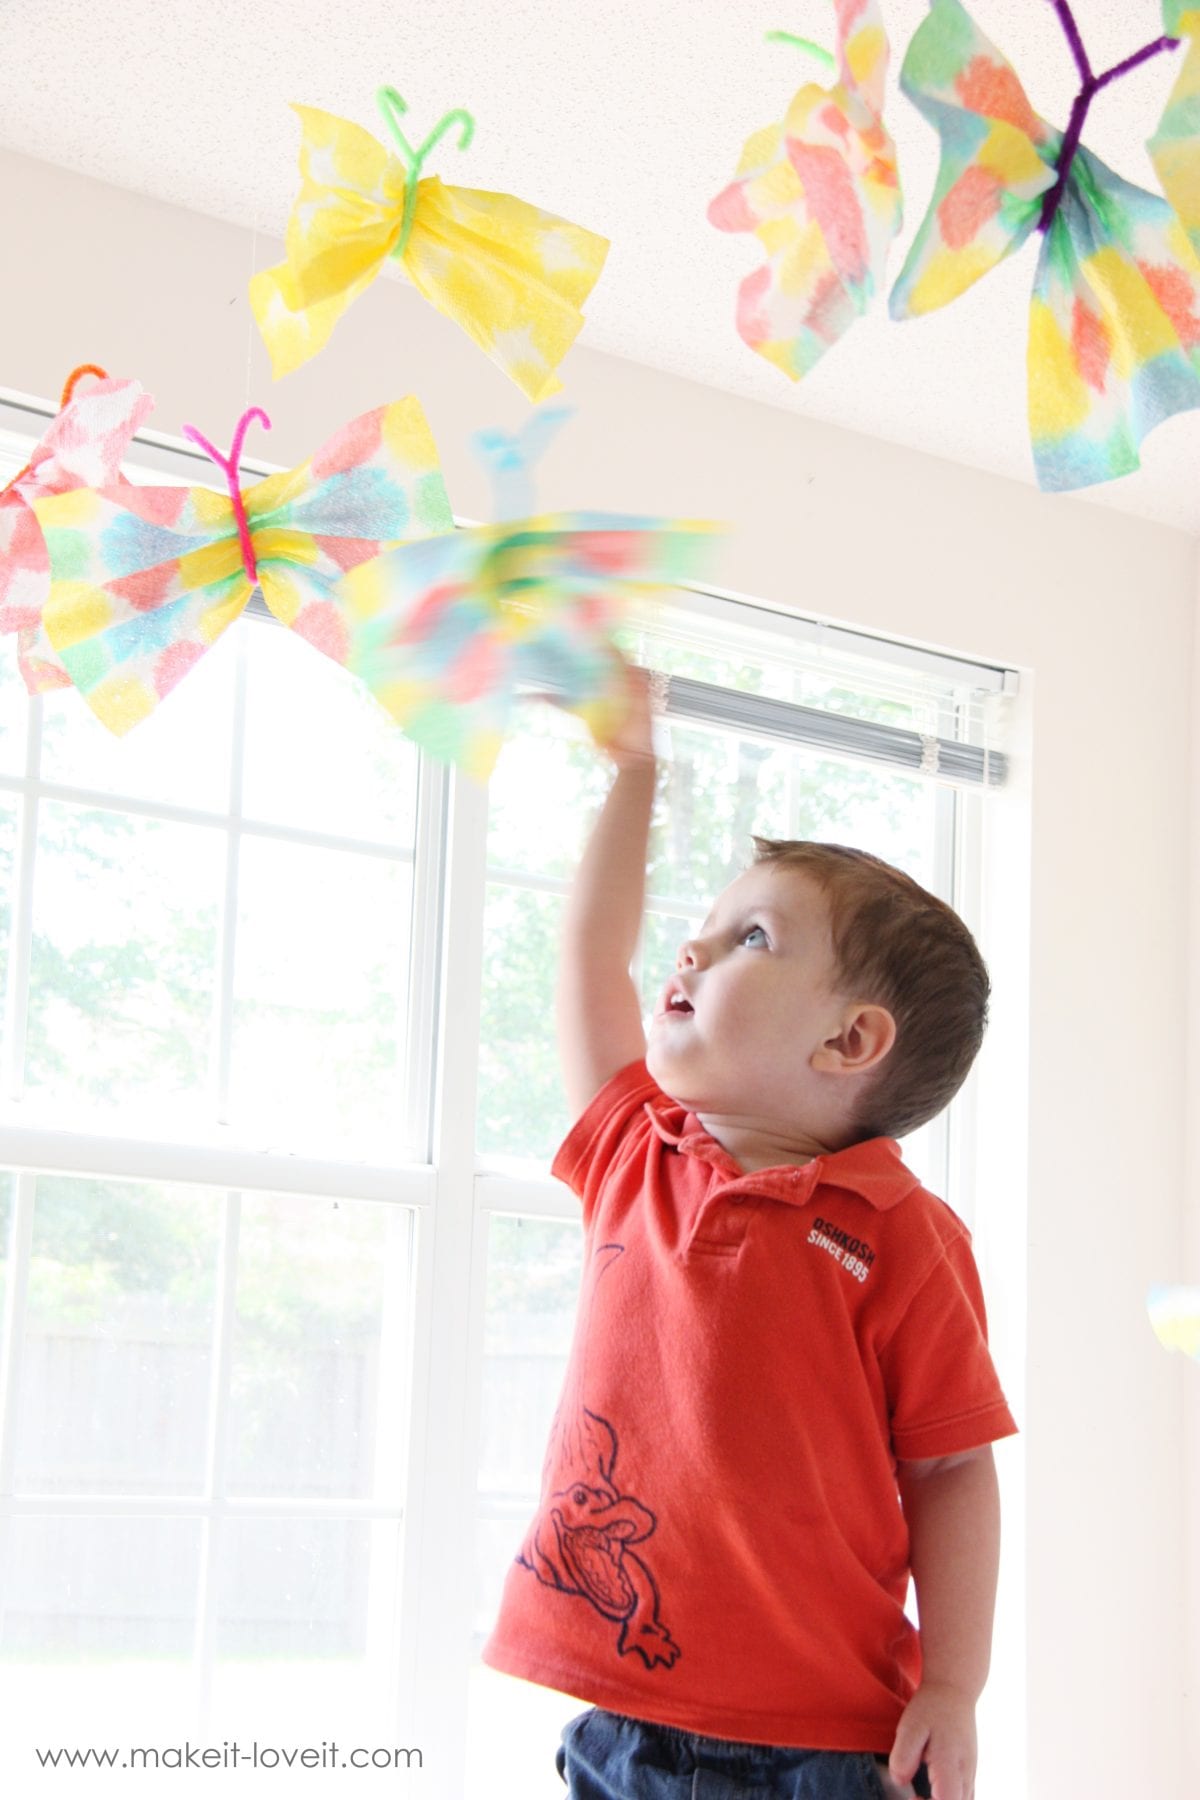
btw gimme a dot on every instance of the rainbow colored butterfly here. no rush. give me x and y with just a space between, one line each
82 447
822 194
1114 326
145 579
1175 146
447 631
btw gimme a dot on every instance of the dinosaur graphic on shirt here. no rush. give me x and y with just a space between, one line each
580 1540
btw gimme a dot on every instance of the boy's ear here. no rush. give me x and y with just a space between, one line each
867 1034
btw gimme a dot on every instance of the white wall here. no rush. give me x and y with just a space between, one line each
1088 861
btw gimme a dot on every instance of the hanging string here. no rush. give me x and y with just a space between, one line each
509 457
249 311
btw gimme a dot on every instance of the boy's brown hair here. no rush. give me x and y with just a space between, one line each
899 947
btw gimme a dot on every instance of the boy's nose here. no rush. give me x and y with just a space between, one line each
691 955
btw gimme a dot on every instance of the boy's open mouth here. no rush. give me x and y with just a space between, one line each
675 1003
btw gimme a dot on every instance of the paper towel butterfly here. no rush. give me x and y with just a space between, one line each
447 631
1114 331
1175 1316
1175 147
822 194
82 447
145 579
512 276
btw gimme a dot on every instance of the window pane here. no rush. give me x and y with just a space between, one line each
306 1614
98 1627
116 1361
513 1732
522 1108
321 753
312 1409
533 1276
13 703
719 791
8 861
532 1283
543 791
178 755
122 970
321 979
7 1193
892 816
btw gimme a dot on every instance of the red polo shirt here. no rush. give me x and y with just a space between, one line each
719 1543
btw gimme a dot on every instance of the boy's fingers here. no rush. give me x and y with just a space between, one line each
912 1735
949 1782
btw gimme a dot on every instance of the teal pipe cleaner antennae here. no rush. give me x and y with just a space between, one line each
806 44
509 456
392 107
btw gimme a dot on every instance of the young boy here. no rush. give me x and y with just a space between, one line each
779 1401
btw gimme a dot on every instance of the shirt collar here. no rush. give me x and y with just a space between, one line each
872 1169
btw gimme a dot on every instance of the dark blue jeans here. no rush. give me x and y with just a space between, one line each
605 1756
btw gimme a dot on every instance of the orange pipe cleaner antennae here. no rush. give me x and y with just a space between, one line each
77 375
67 393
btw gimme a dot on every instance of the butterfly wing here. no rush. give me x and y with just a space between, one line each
1175 1316
574 576
446 630
143 582
512 276
82 447
375 483
424 639
1114 333
1179 17
344 223
1175 147
997 160
822 194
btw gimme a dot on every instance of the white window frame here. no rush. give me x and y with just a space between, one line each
436 1311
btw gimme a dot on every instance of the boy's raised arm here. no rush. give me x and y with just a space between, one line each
598 1013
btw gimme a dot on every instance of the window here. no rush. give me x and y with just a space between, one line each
287 1290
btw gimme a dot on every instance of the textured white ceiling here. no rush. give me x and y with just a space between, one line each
625 117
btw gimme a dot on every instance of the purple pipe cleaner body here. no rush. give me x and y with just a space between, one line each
1091 85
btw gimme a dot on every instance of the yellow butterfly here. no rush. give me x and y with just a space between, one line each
512 276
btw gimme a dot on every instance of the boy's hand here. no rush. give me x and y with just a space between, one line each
633 743
937 1728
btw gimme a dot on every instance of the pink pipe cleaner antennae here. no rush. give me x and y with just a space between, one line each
229 468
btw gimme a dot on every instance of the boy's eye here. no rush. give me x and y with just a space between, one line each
752 931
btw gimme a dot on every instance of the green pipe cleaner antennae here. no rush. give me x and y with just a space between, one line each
806 44
392 107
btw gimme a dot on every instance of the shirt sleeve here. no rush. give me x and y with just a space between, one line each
944 1395
610 1131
